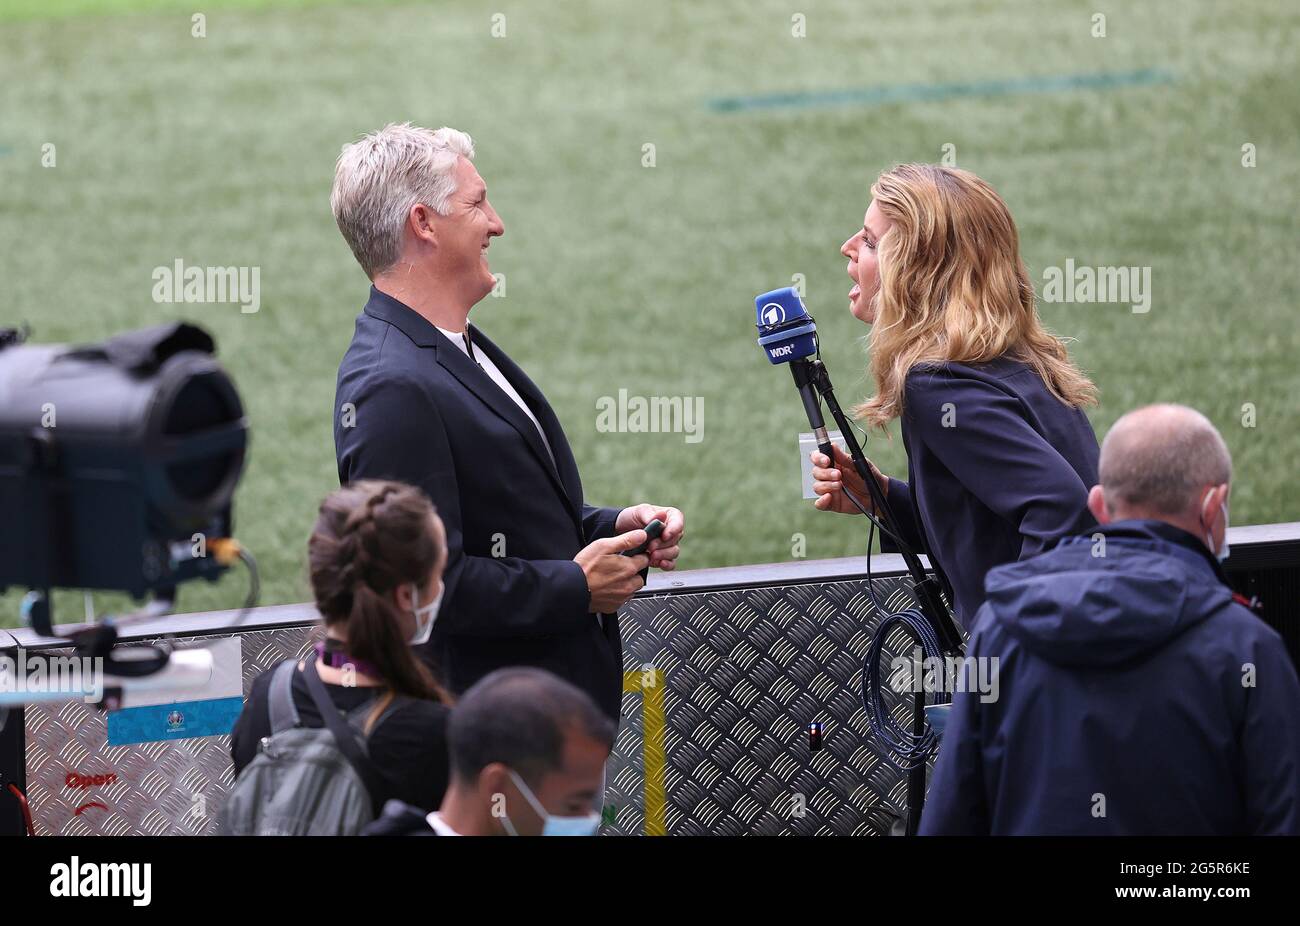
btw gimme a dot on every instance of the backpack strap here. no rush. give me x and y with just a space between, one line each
361 713
279 702
347 737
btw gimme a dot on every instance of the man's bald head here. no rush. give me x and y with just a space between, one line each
1156 462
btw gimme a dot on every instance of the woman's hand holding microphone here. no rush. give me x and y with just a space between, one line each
829 482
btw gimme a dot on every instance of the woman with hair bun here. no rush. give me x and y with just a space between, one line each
1000 455
375 558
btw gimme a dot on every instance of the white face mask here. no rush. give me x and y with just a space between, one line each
1222 554
425 616
552 825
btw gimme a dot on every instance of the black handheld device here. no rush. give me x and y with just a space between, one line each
652 531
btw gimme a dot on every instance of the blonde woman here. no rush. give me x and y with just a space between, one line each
1000 455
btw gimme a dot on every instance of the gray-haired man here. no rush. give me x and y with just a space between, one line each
534 576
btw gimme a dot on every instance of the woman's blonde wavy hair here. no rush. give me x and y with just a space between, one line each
953 288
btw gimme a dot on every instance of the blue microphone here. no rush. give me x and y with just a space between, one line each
788 334
786 331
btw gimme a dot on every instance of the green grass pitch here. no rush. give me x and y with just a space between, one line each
219 150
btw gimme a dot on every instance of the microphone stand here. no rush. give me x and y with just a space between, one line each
810 374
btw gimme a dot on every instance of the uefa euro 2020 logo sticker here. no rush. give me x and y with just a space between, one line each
175 722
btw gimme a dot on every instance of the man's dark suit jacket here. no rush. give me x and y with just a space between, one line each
428 415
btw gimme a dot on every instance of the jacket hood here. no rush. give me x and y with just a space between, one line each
1072 607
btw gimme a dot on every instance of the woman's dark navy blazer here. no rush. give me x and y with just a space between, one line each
998 469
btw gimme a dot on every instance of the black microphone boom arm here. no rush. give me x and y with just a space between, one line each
812 373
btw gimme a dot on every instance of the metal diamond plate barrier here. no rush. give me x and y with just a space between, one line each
158 789
719 688
743 673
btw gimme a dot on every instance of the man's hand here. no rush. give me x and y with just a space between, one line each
663 551
612 579
829 483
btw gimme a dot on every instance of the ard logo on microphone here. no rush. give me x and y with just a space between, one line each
773 313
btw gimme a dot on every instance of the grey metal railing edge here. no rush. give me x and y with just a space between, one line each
1253 546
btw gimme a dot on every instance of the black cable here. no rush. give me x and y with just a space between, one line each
250 601
928 622
910 749
875 521
254 585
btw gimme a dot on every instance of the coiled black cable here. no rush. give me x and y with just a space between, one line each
906 749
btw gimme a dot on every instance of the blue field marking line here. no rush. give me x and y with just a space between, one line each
926 93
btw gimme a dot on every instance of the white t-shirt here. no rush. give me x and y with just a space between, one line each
435 821
490 368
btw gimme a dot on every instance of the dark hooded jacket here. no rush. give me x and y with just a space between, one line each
1135 696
